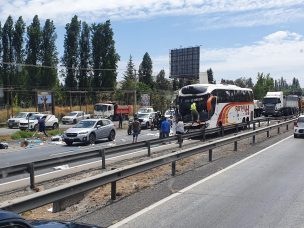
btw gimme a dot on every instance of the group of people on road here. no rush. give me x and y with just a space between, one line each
164 125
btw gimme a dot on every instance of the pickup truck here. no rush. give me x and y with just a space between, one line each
74 117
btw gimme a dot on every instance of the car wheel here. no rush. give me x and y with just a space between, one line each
112 135
55 126
10 127
69 143
92 138
74 121
36 127
295 136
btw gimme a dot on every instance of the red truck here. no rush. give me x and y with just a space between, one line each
112 110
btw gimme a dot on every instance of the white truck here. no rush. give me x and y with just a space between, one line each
74 117
276 104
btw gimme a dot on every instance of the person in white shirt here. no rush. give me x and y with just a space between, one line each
180 129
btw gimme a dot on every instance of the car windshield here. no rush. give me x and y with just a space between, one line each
143 115
21 115
301 120
85 124
34 117
72 114
144 110
169 113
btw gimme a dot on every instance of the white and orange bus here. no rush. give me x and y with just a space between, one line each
217 104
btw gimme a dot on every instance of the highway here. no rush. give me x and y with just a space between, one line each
265 189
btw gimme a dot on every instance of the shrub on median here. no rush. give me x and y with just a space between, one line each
29 134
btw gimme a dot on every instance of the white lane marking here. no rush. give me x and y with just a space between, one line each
147 209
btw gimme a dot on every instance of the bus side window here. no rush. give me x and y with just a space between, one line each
231 96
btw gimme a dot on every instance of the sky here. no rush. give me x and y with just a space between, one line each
238 38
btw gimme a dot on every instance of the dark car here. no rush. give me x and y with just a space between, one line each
13 220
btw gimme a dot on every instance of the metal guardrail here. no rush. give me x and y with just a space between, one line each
64 194
22 168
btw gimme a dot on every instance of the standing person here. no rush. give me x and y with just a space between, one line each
41 124
161 119
194 112
180 128
136 129
165 127
120 118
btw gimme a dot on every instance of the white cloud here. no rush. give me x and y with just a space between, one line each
280 54
62 10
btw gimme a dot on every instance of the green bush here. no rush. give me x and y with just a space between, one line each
29 134
22 135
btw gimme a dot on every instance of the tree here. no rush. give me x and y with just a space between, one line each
104 56
71 49
175 84
84 53
129 76
8 52
264 84
161 82
48 56
18 40
33 53
145 71
210 76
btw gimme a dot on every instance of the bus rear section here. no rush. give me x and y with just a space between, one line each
217 105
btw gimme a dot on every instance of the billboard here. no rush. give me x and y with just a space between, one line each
185 63
44 101
145 100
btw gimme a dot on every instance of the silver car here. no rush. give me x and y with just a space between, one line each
90 130
299 127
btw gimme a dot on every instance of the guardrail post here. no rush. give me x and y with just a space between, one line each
222 131
149 148
268 134
113 189
235 145
279 130
236 128
253 137
204 133
31 171
248 124
210 155
259 123
173 168
287 126
103 158
267 121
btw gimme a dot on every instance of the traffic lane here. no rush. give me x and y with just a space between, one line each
21 155
266 190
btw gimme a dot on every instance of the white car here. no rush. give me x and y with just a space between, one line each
75 117
169 113
146 119
14 122
51 121
299 127
145 110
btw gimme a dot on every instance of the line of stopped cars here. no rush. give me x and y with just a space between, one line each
85 130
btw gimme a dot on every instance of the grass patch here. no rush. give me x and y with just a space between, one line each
22 135
29 134
54 132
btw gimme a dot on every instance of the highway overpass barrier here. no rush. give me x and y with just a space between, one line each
65 195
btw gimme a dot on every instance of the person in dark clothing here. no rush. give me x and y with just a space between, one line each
41 124
136 129
120 118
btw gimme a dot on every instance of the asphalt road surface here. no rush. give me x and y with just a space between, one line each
263 190
35 151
